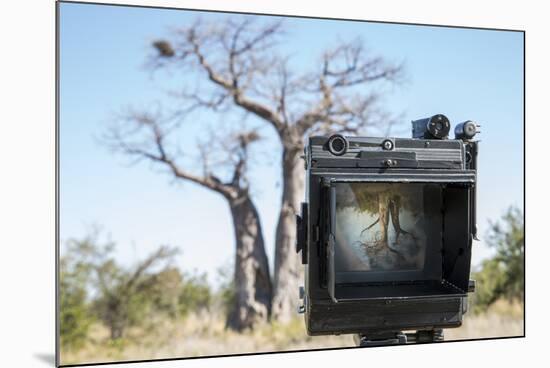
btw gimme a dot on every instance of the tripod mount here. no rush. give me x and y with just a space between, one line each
383 338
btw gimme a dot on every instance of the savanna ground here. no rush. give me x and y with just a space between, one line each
204 335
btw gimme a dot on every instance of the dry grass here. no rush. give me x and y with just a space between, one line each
198 335
502 319
204 334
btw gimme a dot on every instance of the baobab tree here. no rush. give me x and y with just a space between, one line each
241 67
147 135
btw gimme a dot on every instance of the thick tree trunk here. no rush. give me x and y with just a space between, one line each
253 289
394 211
115 317
395 207
384 215
288 270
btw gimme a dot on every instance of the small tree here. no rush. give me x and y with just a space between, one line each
75 316
503 276
123 298
120 294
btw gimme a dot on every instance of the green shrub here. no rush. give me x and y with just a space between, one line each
195 294
225 293
74 316
503 275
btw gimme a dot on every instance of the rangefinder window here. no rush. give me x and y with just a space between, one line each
386 232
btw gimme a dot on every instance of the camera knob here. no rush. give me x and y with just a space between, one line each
390 162
466 130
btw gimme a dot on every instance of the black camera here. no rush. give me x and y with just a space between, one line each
386 233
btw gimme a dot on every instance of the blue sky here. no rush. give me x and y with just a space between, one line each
465 74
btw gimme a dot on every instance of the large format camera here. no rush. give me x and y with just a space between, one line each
386 233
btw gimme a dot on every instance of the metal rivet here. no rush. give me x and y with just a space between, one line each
387 145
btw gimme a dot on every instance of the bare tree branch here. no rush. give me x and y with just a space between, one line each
246 65
343 68
161 253
143 136
241 61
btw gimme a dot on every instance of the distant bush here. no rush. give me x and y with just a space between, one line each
162 290
226 292
95 287
194 295
227 295
120 295
503 275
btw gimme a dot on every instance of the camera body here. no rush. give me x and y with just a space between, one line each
386 232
